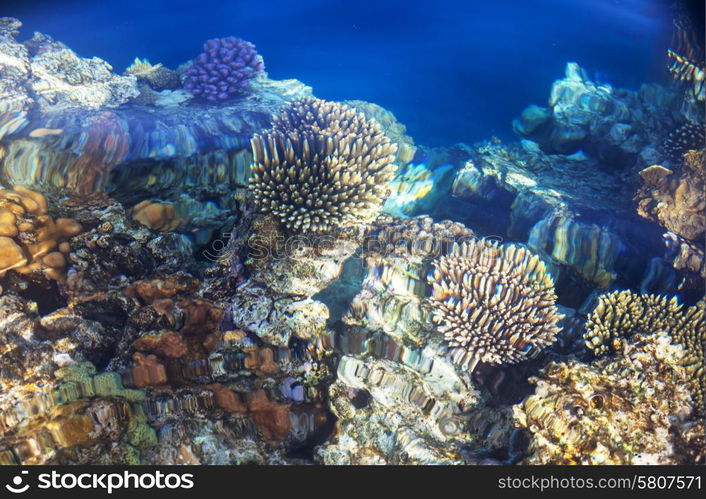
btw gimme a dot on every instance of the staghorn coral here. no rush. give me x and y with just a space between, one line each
621 314
223 70
322 165
614 411
31 241
492 303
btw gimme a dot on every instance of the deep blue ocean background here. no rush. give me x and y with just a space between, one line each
451 70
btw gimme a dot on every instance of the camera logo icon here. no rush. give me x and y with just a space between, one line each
16 487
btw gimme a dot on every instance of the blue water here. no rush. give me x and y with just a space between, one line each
451 70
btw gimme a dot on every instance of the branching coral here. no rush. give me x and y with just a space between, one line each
621 314
493 303
321 166
614 411
223 70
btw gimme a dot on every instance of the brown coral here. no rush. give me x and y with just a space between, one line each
492 303
157 216
31 241
620 314
676 200
322 165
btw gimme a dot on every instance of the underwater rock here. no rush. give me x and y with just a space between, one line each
610 125
60 79
417 189
156 216
492 303
586 231
617 410
277 319
403 409
300 265
591 250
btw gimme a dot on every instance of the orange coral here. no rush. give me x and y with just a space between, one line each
170 344
31 241
271 418
148 371
156 215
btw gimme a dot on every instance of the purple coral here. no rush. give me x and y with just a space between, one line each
222 71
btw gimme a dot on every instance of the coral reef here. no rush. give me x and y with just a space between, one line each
236 272
493 304
223 70
622 410
320 166
621 314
